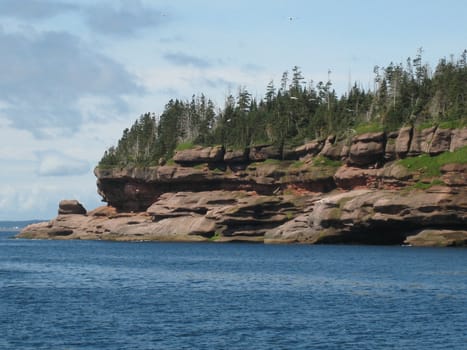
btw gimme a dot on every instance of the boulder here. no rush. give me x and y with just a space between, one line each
421 141
394 175
263 152
367 149
232 156
441 141
438 238
332 149
199 154
345 151
390 150
403 141
310 148
348 177
458 139
370 137
70 206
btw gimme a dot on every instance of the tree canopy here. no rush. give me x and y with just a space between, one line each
300 110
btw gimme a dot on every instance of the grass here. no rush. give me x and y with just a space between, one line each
451 124
420 185
184 146
431 166
370 127
215 236
200 166
323 161
297 164
218 171
445 124
271 161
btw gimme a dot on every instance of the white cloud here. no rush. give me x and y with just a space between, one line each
54 163
46 75
215 82
39 199
123 18
184 59
33 9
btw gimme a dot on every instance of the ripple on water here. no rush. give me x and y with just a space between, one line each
98 295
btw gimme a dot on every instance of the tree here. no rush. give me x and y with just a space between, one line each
402 93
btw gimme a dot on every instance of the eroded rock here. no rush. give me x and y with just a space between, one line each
263 152
458 139
199 154
309 148
367 149
403 141
240 196
421 141
70 206
438 238
378 217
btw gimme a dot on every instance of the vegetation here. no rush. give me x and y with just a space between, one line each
323 161
420 185
216 236
429 167
300 110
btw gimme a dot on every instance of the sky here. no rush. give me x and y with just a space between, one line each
74 74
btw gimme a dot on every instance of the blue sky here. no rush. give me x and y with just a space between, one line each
76 73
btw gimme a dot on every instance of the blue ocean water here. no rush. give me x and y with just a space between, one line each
107 295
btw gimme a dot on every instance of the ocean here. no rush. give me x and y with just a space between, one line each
109 295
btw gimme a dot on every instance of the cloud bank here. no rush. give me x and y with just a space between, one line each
34 9
183 59
127 18
44 76
54 163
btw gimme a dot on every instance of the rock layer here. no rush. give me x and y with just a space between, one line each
325 191
181 216
378 217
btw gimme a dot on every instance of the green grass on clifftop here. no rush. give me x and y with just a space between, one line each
326 162
431 166
368 127
184 146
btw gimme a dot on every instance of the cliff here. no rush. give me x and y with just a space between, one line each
401 187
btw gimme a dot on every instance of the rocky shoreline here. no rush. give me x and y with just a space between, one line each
353 190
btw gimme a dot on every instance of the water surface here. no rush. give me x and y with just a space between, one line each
104 295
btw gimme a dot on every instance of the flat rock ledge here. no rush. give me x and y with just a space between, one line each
438 238
436 217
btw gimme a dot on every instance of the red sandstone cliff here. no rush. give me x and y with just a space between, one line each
325 191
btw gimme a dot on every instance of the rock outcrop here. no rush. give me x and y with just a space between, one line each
438 238
333 190
377 217
200 155
70 206
367 149
182 216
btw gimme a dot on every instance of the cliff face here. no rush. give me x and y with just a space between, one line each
324 191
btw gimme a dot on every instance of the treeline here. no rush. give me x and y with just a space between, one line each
299 110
